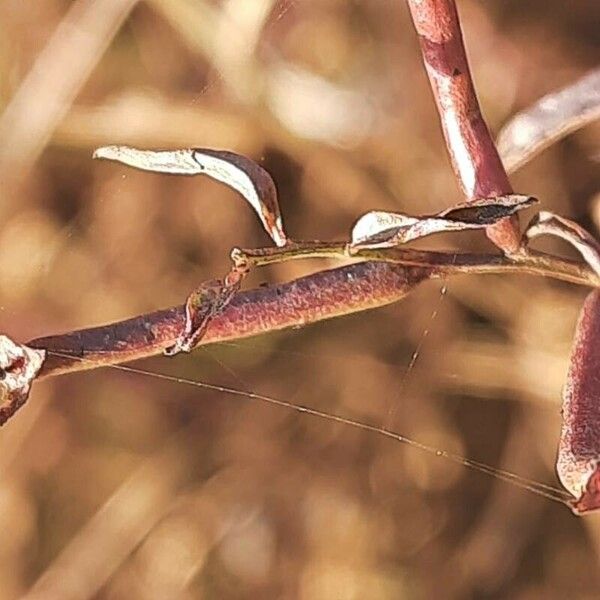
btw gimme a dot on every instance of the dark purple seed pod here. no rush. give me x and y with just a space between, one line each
579 448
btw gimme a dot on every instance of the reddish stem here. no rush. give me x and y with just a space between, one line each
306 300
472 150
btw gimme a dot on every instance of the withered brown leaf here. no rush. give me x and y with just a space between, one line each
379 229
242 174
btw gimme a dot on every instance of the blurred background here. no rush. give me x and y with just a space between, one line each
115 485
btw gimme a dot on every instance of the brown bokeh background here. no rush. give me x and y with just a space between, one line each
115 485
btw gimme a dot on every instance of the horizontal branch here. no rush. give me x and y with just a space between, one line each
528 262
313 298
390 276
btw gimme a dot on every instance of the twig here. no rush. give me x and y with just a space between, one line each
440 263
389 275
323 295
474 156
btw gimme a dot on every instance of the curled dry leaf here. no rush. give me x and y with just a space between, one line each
19 366
202 305
579 448
547 223
238 172
378 229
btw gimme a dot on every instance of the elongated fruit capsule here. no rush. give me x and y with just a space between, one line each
578 463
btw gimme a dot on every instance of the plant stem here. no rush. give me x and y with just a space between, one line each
472 150
443 263
322 295
387 277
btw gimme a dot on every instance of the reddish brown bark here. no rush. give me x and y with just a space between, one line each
472 150
306 300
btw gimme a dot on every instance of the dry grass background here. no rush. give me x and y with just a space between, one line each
114 485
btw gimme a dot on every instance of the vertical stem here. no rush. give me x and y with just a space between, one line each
472 150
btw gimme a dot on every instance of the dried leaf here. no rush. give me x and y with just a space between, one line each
378 229
19 366
238 172
203 304
547 223
579 448
551 118
200 307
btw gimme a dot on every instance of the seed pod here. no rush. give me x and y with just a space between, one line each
579 448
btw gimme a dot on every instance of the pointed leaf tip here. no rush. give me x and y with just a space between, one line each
246 177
